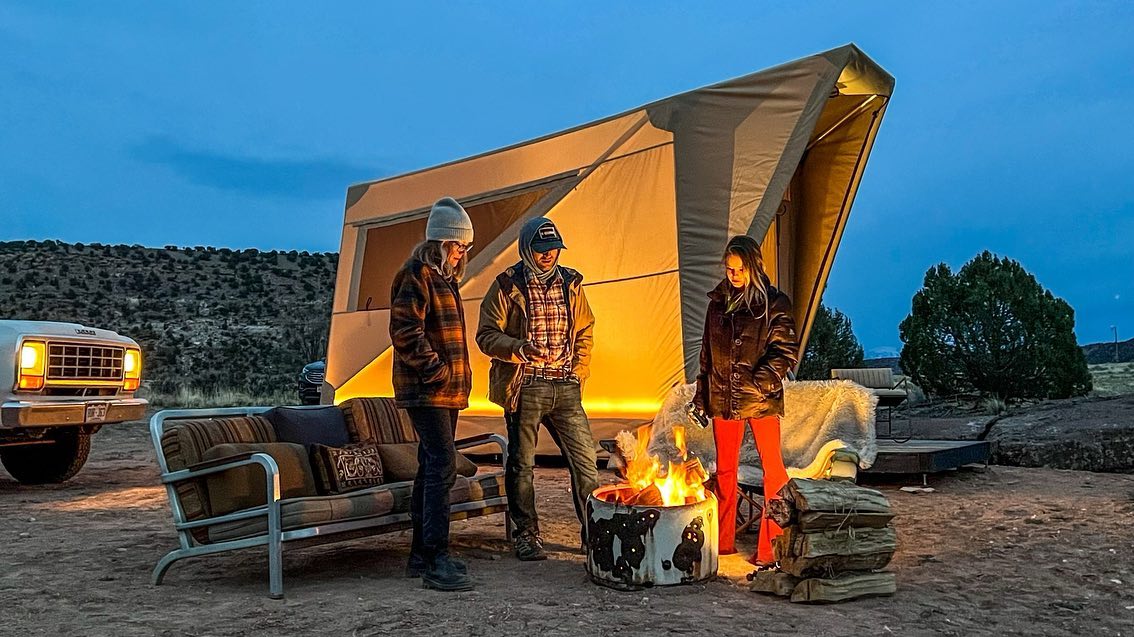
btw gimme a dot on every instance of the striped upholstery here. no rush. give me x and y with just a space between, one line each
483 486
185 441
377 420
298 513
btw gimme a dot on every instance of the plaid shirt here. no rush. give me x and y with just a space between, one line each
547 321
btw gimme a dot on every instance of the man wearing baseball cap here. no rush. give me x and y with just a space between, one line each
537 327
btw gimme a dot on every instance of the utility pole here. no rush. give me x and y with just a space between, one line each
1114 328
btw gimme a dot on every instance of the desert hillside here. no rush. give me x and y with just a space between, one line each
208 319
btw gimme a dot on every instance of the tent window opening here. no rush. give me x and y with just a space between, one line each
387 247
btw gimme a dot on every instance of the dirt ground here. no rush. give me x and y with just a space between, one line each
1003 551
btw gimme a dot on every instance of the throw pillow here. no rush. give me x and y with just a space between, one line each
345 469
400 462
309 427
245 487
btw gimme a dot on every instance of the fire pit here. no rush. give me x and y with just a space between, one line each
653 530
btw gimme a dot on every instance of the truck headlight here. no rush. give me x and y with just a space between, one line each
33 364
131 369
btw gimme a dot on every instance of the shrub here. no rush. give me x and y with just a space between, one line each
992 328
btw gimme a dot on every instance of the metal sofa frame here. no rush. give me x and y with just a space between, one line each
276 536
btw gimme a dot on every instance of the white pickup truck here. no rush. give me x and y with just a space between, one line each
59 383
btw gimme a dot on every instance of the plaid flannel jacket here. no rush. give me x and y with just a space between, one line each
427 328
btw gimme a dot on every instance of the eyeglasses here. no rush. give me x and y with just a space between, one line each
462 247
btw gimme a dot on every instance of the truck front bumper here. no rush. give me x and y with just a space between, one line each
26 413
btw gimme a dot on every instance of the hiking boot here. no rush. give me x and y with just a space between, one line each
416 566
443 575
529 547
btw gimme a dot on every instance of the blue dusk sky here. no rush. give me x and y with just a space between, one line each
240 124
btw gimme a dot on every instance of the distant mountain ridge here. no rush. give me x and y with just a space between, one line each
1096 353
207 318
1104 352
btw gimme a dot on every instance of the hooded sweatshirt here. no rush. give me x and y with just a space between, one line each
527 255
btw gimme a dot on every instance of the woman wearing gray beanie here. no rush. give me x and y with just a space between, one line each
432 380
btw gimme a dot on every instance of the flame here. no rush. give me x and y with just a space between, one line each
682 482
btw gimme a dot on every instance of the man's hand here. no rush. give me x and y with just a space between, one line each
530 353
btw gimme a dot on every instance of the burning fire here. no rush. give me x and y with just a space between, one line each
646 484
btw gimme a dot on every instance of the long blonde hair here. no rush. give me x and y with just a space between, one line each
435 254
748 251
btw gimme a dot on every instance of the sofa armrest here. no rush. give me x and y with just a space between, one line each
201 469
271 470
216 462
483 439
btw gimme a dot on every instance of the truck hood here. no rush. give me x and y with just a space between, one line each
71 331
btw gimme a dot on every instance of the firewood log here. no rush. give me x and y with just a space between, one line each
781 511
852 541
824 521
833 497
825 553
773 582
833 565
845 587
649 497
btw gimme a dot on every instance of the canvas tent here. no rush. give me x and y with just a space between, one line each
645 201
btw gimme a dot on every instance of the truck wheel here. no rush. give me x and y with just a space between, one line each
45 464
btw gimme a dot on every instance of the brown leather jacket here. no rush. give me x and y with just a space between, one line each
745 356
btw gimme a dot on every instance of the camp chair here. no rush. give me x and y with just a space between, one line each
880 382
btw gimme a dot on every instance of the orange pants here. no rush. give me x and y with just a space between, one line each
728 434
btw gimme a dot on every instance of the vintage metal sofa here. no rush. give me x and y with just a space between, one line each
182 438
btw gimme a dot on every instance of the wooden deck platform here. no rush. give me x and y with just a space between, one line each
928 456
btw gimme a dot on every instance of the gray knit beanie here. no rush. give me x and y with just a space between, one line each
448 221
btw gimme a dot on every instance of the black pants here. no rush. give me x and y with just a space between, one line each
436 472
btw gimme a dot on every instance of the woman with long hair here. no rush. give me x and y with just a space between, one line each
748 348
432 379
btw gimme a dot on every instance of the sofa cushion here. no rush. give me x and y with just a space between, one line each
301 513
387 499
246 486
484 486
184 443
308 427
377 420
400 462
347 468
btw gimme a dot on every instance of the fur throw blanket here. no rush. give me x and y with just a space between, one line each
819 417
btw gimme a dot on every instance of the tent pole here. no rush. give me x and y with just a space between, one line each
846 118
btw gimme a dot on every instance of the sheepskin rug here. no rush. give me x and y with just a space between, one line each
819 416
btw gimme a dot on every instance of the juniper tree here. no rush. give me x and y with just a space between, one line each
993 329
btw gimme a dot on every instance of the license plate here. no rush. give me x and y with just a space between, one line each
96 412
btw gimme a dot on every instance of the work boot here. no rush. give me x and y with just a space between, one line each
443 575
416 565
529 547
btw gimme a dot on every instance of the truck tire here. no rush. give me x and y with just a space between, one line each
48 464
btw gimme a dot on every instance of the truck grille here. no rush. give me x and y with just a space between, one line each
315 377
77 361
